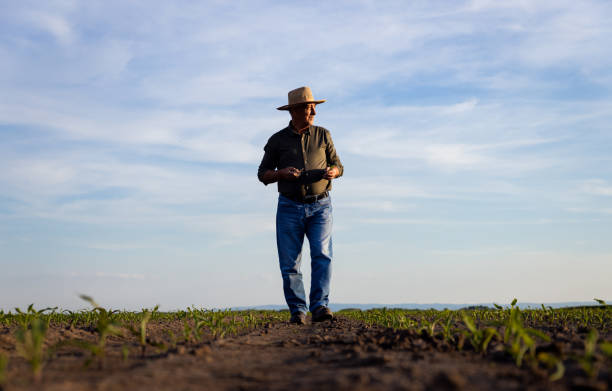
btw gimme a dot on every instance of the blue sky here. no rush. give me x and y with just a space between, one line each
475 137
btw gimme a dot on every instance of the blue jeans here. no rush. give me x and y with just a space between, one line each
293 221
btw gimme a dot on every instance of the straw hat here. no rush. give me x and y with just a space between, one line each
299 96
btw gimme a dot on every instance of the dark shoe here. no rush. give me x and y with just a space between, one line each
298 318
321 314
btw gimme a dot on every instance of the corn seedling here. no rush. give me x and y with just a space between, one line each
200 323
548 312
551 361
606 349
173 339
587 362
447 329
72 316
30 314
142 332
3 370
428 327
216 325
187 331
105 327
519 339
479 339
30 344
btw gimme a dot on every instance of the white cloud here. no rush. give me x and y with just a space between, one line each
55 25
463 222
597 187
123 276
369 203
578 34
202 135
604 211
38 173
452 155
236 226
461 107
113 246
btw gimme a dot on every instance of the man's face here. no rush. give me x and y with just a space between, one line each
303 115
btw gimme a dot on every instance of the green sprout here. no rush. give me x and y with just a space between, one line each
31 313
187 331
173 339
72 316
428 327
217 326
519 339
142 332
479 339
552 361
447 328
587 361
105 327
600 301
30 344
125 353
606 349
3 368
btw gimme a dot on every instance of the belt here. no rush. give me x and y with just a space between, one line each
308 199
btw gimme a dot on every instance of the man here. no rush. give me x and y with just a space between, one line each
303 160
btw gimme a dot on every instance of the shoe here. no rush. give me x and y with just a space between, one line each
321 314
298 318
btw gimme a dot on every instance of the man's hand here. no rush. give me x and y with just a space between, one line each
331 173
288 174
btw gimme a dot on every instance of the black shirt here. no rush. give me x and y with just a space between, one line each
311 150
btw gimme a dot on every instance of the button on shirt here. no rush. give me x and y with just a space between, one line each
310 150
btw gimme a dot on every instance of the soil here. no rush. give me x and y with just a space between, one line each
343 354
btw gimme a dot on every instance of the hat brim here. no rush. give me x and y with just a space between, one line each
287 107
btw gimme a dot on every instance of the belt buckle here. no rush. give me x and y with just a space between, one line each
314 198
309 199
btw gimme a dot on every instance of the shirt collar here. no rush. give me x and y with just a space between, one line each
292 129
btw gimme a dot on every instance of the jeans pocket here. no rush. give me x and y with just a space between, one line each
284 201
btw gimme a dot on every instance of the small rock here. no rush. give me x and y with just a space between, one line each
447 381
201 351
294 342
586 385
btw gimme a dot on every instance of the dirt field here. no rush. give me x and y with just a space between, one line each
341 355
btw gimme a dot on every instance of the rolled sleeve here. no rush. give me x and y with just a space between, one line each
332 156
269 161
